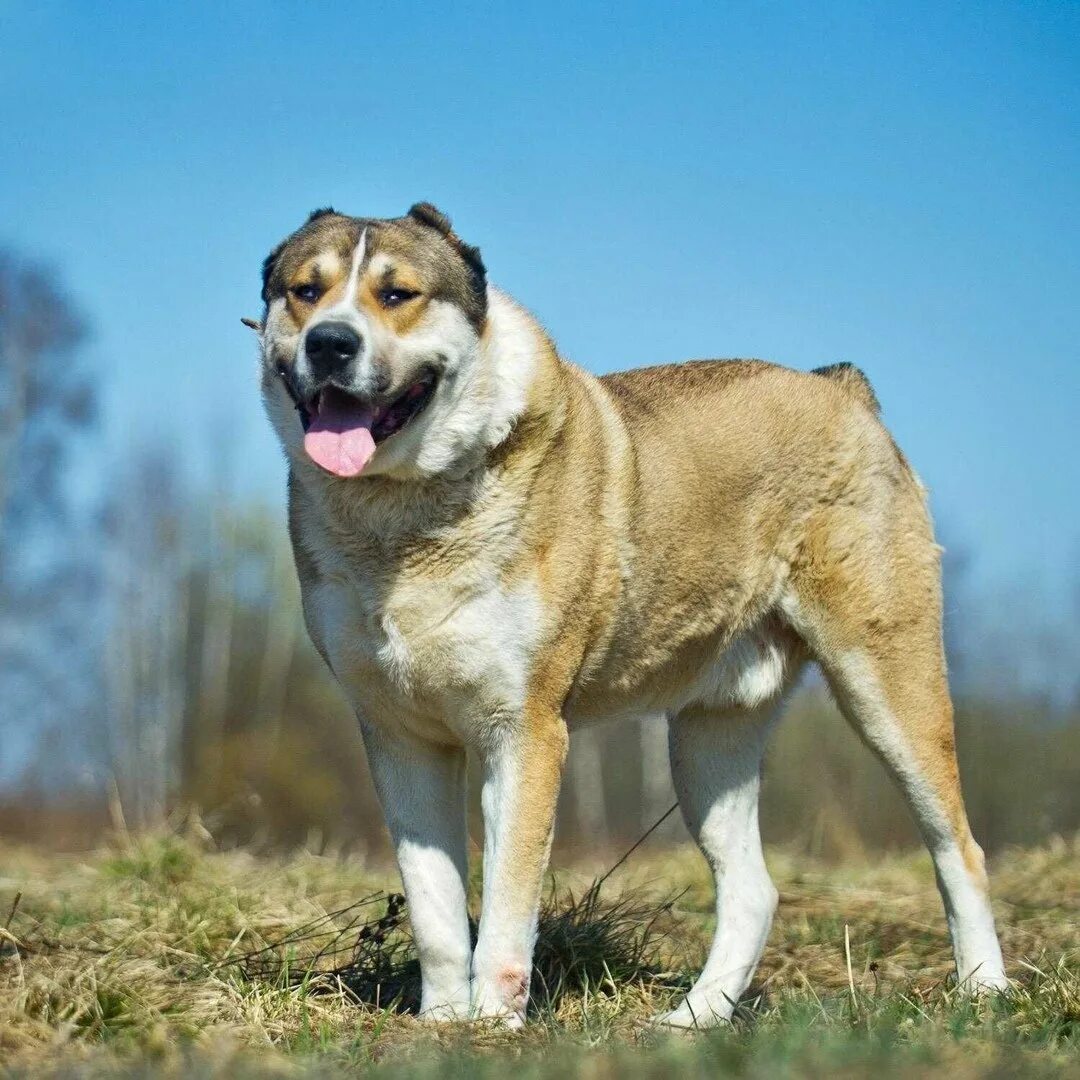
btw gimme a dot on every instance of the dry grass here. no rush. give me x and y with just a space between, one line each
153 959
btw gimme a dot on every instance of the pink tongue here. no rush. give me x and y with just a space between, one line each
339 436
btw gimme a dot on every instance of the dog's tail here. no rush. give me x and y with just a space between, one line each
853 381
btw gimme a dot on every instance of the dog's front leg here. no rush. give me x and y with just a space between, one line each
522 769
422 791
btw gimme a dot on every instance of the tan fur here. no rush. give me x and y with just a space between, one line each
653 522
854 382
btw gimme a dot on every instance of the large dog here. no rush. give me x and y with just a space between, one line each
494 545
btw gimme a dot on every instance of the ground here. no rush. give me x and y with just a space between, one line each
150 957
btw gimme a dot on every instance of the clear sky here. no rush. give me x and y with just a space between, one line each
897 185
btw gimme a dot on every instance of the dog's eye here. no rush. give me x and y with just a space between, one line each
394 296
306 294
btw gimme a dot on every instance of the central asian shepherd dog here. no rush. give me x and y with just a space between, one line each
495 546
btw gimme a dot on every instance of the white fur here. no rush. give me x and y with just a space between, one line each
716 766
750 672
455 676
348 299
422 790
449 434
451 658
510 351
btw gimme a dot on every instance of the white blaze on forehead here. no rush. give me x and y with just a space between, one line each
348 297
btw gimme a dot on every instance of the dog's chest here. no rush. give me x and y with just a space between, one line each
437 654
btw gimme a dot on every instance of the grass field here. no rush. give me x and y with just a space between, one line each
151 958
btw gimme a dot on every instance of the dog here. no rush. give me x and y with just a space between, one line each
495 546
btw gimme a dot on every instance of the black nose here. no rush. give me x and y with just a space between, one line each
331 347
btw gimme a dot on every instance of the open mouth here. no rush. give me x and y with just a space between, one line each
341 431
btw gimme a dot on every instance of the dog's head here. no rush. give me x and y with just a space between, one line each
371 341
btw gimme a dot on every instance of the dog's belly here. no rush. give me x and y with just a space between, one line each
745 673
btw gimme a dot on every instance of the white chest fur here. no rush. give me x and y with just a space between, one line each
443 657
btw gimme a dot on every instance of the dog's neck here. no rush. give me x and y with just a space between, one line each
518 364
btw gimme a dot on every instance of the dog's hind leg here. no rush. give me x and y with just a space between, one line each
902 712
422 791
716 765
873 621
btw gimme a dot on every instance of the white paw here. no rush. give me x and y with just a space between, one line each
990 980
489 1008
445 1001
502 996
504 1019
692 1016
444 1014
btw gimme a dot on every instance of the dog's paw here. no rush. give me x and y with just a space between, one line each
502 997
688 1017
503 1021
443 1014
445 1003
978 984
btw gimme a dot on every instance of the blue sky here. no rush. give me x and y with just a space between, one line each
895 185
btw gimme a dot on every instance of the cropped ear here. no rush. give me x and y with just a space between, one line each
431 216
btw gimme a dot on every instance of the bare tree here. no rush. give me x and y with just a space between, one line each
148 566
657 792
45 393
48 573
586 787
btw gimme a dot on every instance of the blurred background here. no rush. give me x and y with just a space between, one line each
894 185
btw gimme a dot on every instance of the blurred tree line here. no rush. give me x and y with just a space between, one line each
153 666
49 674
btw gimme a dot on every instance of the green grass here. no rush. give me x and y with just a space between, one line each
163 958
